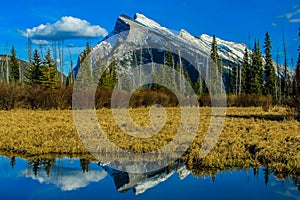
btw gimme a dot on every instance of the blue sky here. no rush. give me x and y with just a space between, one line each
233 20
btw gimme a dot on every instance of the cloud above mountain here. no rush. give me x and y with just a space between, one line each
67 27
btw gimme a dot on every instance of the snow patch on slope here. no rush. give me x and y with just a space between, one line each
150 23
227 50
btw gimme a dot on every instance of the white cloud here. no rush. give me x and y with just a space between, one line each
66 28
294 20
41 42
274 25
290 14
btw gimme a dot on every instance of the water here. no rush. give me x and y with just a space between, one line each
66 178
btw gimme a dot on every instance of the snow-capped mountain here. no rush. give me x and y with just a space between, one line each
230 51
141 30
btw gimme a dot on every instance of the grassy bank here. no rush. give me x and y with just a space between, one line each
250 137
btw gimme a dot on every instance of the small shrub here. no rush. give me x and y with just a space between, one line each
267 103
103 98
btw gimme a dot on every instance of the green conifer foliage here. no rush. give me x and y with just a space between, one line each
245 76
14 67
49 75
270 75
34 73
256 71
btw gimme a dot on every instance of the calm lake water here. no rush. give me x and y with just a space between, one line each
80 179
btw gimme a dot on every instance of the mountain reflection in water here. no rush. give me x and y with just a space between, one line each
80 176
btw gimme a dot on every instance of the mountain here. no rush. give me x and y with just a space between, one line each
140 30
5 62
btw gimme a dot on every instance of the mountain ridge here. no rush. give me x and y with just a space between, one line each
230 52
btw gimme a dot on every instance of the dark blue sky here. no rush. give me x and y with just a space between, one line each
233 20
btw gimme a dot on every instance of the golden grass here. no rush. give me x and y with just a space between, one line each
250 137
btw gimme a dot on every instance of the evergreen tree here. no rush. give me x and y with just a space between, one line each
49 74
270 76
256 71
169 60
198 86
86 52
214 53
215 73
34 73
109 76
170 77
14 67
245 76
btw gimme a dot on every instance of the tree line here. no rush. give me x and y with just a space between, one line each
33 85
257 77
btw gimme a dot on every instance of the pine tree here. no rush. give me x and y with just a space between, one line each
86 52
214 53
199 86
34 73
49 75
14 67
256 71
245 76
215 74
169 60
169 64
109 77
270 76
170 69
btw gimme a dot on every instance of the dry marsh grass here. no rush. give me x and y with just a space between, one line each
251 137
